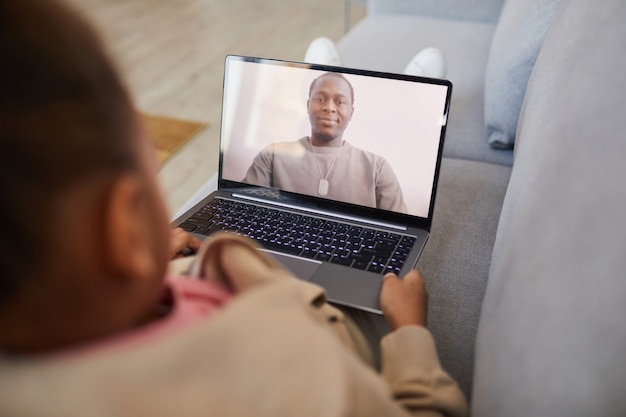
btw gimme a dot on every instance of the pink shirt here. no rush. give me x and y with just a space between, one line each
190 299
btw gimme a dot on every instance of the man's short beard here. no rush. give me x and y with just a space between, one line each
326 138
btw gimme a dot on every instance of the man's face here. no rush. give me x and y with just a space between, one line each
330 108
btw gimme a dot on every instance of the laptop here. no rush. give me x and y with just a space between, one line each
337 209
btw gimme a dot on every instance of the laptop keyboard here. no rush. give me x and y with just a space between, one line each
305 236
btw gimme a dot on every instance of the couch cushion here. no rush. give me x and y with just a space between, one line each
552 338
479 10
387 43
455 261
516 43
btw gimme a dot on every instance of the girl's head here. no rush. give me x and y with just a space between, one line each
80 210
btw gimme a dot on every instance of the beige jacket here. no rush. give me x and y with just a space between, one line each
276 350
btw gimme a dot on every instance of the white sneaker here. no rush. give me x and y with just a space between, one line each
429 62
322 51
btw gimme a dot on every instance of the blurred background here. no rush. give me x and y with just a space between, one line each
171 54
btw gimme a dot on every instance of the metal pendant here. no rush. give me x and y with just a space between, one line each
322 188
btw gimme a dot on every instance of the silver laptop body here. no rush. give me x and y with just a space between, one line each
397 127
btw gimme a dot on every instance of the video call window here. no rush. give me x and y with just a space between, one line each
398 120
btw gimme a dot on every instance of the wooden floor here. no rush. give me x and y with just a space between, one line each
171 53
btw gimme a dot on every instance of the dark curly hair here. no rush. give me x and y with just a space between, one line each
64 115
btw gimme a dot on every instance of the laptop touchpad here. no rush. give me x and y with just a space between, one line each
301 268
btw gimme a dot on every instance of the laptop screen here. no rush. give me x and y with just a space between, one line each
360 137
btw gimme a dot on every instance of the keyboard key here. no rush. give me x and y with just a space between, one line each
385 247
341 261
390 268
376 252
322 256
202 230
361 257
189 227
197 220
360 264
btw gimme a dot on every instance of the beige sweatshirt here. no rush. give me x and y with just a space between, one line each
354 175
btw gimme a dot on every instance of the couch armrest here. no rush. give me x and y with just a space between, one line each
477 10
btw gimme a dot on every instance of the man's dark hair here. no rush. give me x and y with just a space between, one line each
333 74
64 116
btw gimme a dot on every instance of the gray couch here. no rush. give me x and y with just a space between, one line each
526 265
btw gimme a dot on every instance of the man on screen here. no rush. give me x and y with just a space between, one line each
324 164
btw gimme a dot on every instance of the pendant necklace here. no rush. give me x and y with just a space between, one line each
322 187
